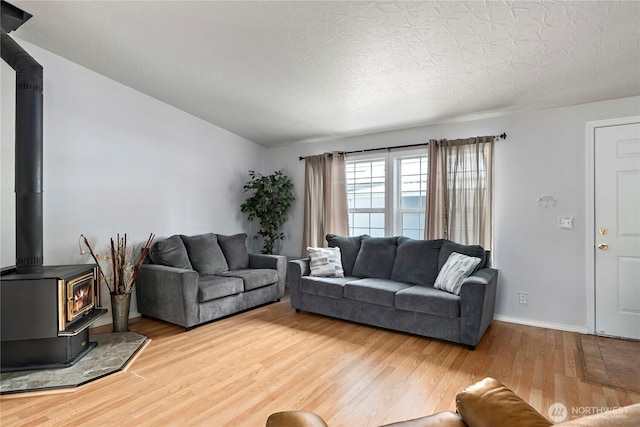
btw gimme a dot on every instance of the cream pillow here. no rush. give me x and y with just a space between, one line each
325 262
457 268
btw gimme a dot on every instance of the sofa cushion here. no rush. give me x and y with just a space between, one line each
332 287
457 268
205 254
170 252
427 299
235 251
376 257
254 278
349 248
448 247
374 291
416 261
213 287
325 262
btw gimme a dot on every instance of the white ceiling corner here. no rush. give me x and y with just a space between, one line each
279 72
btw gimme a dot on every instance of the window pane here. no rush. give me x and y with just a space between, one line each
413 182
376 232
410 166
362 201
413 234
410 220
413 225
377 200
377 169
367 183
377 220
360 231
366 191
361 220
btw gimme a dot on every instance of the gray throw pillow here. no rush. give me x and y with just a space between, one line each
376 257
457 268
349 248
449 247
170 252
416 261
205 253
235 251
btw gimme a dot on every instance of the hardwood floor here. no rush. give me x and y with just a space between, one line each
237 371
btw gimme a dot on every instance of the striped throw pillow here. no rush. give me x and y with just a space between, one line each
457 268
325 262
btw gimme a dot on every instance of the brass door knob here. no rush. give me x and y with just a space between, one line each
603 246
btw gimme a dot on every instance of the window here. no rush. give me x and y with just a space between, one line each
366 191
412 191
387 194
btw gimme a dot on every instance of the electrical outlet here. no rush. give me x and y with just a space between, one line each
523 298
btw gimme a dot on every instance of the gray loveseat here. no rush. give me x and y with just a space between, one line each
389 283
191 280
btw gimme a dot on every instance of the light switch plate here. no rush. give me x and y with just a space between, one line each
565 222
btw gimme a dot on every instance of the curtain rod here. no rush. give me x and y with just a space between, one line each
502 136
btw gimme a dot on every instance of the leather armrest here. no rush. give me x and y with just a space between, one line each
295 419
489 403
441 419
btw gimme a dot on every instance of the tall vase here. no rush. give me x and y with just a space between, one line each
120 304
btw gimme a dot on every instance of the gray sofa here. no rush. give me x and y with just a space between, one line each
389 282
190 280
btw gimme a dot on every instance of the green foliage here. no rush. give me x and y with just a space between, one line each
269 204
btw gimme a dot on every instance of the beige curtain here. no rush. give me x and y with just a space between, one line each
460 197
325 199
435 218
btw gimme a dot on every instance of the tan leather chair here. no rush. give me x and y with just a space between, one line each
488 403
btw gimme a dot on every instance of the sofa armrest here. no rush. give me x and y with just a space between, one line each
275 262
168 293
489 403
477 304
296 269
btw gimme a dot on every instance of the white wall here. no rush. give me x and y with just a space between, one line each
544 154
118 161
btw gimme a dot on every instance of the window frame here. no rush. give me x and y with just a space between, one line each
393 188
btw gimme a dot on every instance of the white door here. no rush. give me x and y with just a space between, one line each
617 233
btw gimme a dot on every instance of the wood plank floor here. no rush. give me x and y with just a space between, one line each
237 371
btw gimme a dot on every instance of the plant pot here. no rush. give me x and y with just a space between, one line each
120 304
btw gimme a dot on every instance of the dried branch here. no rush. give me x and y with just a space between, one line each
123 269
95 258
143 255
114 271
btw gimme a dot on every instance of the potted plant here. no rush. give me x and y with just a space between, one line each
270 202
125 263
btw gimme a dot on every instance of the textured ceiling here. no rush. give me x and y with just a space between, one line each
280 72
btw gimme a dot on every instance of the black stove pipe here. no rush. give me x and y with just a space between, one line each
28 163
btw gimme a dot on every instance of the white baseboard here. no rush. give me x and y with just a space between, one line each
538 324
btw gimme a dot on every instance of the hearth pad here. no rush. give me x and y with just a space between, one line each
113 353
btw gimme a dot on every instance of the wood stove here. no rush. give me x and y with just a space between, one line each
45 316
45 311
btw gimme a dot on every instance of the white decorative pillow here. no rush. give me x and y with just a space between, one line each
457 268
325 262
